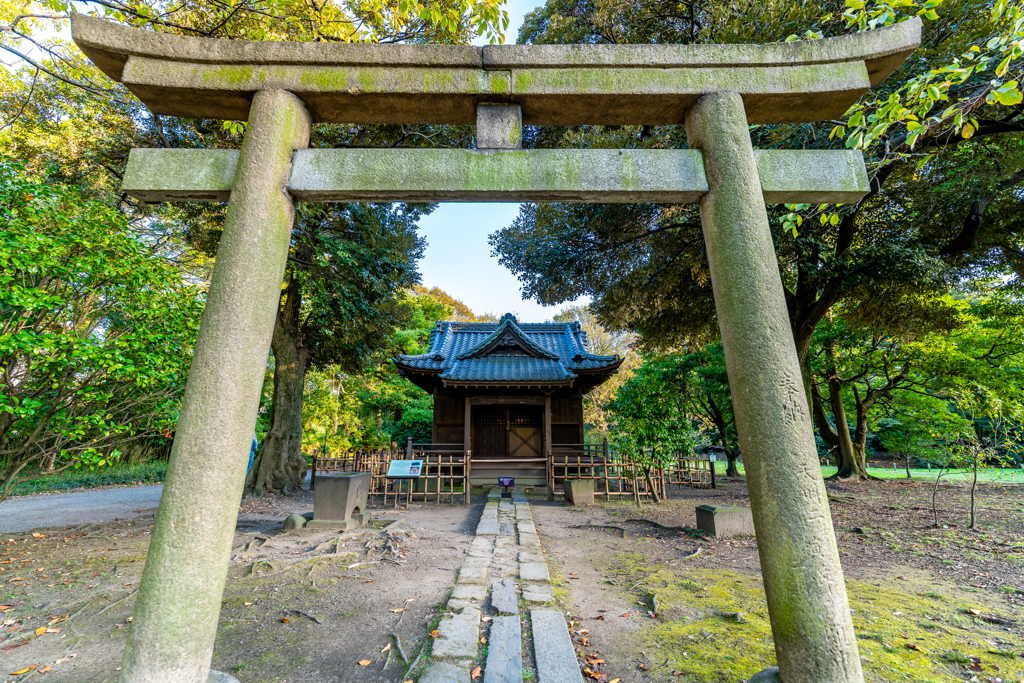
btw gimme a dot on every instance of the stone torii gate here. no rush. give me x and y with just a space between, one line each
716 91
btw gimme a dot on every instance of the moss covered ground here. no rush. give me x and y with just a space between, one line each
905 633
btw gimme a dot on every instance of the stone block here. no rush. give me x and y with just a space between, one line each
458 635
531 594
473 575
552 648
353 522
725 521
443 672
579 491
769 675
534 571
504 652
221 677
469 591
503 597
339 496
526 528
499 126
293 522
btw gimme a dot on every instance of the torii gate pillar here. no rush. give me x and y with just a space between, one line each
175 620
803 580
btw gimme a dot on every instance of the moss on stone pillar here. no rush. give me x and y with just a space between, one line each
803 580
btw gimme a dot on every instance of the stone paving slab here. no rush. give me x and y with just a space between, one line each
534 571
487 528
475 561
526 528
469 591
531 556
504 652
552 648
458 636
472 575
529 541
537 596
443 672
503 597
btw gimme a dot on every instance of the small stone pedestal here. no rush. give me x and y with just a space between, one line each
340 500
725 521
579 491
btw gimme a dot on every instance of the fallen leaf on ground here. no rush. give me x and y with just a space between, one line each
483 640
433 634
626 614
45 669
65 659
23 671
400 609
128 620
643 667
475 673
599 617
594 660
364 662
615 680
973 611
915 647
53 630
35 535
386 647
486 618
247 604
285 620
584 641
41 630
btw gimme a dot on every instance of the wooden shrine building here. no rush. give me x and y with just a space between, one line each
506 392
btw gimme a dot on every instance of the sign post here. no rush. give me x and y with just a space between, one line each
506 482
403 469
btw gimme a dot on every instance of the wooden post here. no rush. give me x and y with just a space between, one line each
549 465
467 445
312 474
408 449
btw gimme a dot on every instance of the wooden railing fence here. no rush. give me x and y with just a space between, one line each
446 469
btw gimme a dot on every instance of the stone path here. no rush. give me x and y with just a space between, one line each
506 565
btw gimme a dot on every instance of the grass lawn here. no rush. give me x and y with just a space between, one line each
144 473
1002 476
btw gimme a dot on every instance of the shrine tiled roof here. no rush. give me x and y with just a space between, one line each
507 352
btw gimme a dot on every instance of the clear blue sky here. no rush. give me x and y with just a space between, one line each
458 258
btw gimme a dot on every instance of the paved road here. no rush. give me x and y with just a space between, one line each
63 509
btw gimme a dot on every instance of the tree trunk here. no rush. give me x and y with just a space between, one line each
860 443
825 430
847 457
974 486
279 465
723 430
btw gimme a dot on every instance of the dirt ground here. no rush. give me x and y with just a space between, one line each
911 586
653 608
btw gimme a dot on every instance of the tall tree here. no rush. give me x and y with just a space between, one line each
645 265
96 331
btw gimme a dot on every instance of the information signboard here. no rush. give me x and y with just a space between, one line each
506 481
404 469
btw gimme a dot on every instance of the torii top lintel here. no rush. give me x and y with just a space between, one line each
800 81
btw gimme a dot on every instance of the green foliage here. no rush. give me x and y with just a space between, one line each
118 474
375 407
95 331
650 421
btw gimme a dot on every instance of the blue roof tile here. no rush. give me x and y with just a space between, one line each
507 351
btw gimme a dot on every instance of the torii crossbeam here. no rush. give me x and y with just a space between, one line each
716 91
